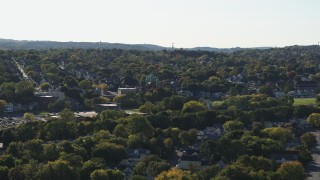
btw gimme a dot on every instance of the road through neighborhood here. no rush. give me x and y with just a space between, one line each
313 169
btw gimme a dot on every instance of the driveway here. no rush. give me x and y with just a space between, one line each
313 169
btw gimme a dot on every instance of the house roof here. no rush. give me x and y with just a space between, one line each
287 155
190 158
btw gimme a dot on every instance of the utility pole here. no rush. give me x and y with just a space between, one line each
172 46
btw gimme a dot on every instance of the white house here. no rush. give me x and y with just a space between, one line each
9 108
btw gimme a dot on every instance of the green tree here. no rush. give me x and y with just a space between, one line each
208 172
234 172
278 133
24 91
58 169
110 152
151 165
67 115
3 105
29 116
121 131
45 86
148 107
99 174
266 90
209 149
115 174
137 124
4 172
85 84
188 137
314 119
89 166
233 125
50 152
193 106
308 140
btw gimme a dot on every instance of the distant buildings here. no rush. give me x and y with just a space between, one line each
111 106
122 91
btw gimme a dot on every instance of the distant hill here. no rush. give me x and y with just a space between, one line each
23 44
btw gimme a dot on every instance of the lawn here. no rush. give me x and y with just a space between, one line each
304 101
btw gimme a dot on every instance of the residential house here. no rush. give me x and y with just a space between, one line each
210 133
109 106
185 93
134 156
9 108
306 88
285 156
126 90
189 162
189 159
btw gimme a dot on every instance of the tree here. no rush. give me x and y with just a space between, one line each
175 174
233 125
50 152
234 172
278 133
148 107
151 165
73 159
58 169
89 166
45 86
209 172
29 117
3 105
85 84
314 119
168 143
115 174
292 170
121 131
174 102
103 88
33 149
110 152
266 90
138 124
99 174
193 106
229 149
304 155
209 149
67 115
16 173
308 140
255 162
4 171
188 137
138 140
24 91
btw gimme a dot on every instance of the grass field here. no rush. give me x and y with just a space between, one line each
304 101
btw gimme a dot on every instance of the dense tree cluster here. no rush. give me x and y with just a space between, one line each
175 91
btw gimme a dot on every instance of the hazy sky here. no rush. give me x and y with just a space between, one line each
187 23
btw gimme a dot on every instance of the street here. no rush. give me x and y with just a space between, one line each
313 169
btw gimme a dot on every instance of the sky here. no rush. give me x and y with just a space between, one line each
186 23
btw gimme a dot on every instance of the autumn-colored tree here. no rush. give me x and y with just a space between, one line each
292 170
175 174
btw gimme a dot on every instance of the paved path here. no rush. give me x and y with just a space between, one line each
313 168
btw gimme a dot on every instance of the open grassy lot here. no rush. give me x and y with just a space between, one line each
304 101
